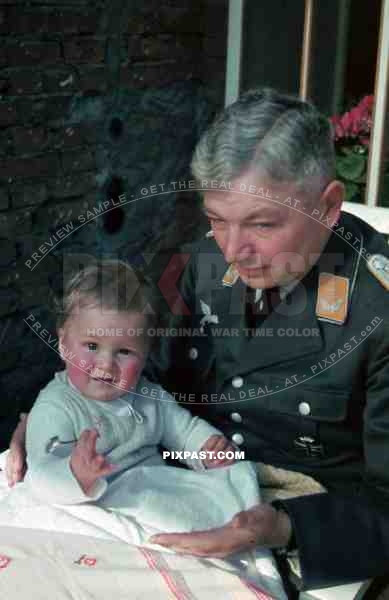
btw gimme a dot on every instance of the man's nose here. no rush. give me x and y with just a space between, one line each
235 249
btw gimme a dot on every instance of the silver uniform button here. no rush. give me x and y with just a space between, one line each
193 353
236 417
238 439
237 382
304 409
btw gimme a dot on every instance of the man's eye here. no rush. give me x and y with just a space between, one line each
217 223
92 347
261 226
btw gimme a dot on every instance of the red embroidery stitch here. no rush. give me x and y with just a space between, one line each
89 561
79 561
4 561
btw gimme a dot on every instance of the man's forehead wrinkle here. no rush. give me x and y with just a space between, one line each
256 213
219 205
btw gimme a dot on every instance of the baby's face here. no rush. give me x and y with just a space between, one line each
104 353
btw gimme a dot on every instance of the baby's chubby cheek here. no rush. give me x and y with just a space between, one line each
80 366
84 361
77 373
130 374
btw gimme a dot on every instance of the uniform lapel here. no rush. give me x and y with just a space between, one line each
272 345
229 304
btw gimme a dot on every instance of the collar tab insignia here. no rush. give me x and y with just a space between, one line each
231 276
332 298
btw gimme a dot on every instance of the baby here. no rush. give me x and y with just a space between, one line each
94 433
112 417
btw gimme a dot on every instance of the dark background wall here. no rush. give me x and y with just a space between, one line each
363 30
345 39
272 37
97 99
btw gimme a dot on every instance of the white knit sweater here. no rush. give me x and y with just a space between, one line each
130 429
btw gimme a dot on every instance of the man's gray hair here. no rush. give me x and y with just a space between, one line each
282 137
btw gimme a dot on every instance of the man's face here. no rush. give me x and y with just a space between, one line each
271 241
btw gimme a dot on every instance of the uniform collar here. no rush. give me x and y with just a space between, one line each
244 353
343 253
284 290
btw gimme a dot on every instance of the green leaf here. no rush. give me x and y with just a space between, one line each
351 166
346 150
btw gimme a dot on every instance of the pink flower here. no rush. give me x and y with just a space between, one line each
355 124
337 128
347 122
367 103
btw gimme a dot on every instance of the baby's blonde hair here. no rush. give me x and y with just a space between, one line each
110 284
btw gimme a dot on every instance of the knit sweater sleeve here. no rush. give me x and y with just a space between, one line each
184 432
49 475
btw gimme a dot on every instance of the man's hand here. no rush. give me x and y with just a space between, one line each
215 444
261 525
86 464
15 467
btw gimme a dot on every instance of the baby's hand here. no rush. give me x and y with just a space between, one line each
15 467
213 445
86 464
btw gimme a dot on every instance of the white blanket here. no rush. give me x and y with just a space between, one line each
46 565
158 499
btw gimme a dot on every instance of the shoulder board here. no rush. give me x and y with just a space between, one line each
378 265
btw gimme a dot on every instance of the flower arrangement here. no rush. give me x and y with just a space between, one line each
352 136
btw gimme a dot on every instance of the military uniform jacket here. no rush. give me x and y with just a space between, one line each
302 392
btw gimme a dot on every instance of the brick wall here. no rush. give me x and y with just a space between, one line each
94 98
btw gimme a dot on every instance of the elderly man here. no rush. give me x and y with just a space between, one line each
288 308
286 305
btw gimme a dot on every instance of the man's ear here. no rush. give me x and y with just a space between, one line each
332 199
